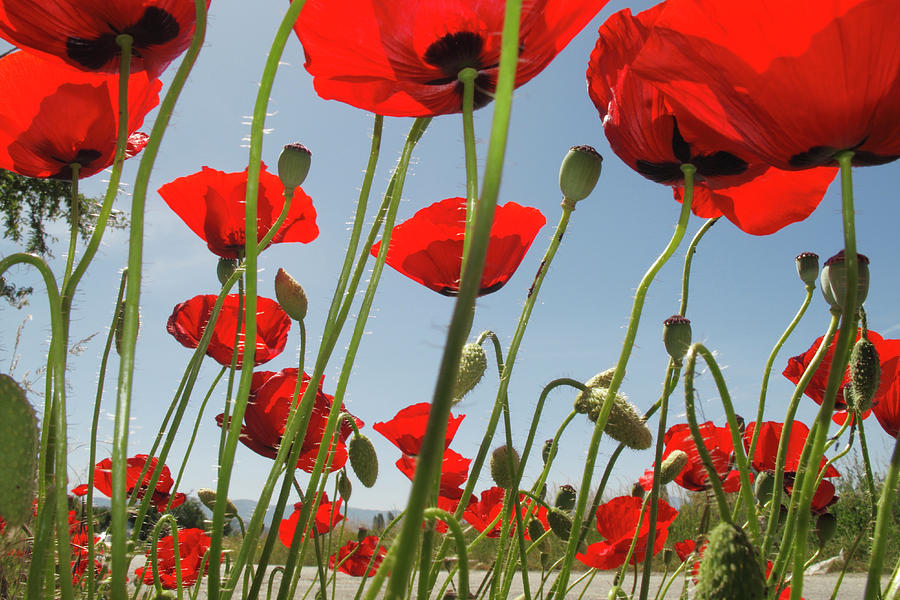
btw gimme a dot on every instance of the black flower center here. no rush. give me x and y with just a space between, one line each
83 158
455 52
155 27
717 164
818 156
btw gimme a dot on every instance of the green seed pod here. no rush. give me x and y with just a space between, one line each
545 451
293 165
472 365
808 267
865 375
500 471
208 498
637 490
730 568
361 534
833 280
825 526
363 459
565 498
290 295
672 466
535 530
579 172
560 523
764 487
677 336
624 424
345 488
669 557
224 269
18 452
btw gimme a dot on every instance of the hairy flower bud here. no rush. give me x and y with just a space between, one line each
535 529
624 424
293 165
545 451
730 568
565 497
808 267
865 375
583 402
677 336
345 488
764 487
560 523
500 467
826 523
672 466
833 280
363 459
290 295
579 172
208 498
472 365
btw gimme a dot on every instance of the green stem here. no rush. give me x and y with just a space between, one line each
864 447
74 216
883 524
634 539
467 76
688 261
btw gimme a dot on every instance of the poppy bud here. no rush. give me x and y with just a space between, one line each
363 459
677 336
865 375
560 523
637 491
669 557
764 487
808 267
565 497
583 400
290 295
345 488
472 364
293 165
208 498
362 534
730 567
579 172
624 424
672 466
500 468
18 452
825 526
545 451
224 268
535 530
833 280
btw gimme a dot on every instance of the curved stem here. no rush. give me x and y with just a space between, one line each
688 261
460 539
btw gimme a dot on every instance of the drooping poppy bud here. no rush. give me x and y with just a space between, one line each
672 466
808 267
730 568
535 529
208 498
18 452
764 487
677 336
345 488
624 423
500 467
833 280
825 526
600 380
560 523
224 268
579 172
565 497
545 451
865 375
293 165
290 295
472 365
363 459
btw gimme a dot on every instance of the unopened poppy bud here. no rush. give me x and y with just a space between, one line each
560 523
290 295
224 268
500 466
362 534
808 267
672 466
764 487
535 529
565 497
669 557
624 424
825 526
583 401
833 280
579 172
345 488
472 365
293 165
677 336
545 451
730 568
18 452
637 491
363 459
865 375
208 498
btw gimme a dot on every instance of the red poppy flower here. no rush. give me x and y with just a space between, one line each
454 472
328 514
481 514
450 505
824 496
693 476
793 83
267 413
767 447
192 546
54 116
887 399
79 541
211 203
786 592
83 32
135 464
685 548
888 356
644 130
189 319
403 59
428 247
617 522
354 558
407 429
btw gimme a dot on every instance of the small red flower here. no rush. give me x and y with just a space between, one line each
189 319
481 514
694 477
78 538
402 60
407 429
267 413
192 546
684 549
454 472
617 522
793 83
354 558
767 447
428 247
212 204
54 116
83 32
328 514
646 132
135 464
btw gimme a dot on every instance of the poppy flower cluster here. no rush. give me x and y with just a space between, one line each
693 476
189 319
765 456
360 558
647 132
481 514
134 466
192 546
617 522
267 412
211 204
428 247
403 60
328 514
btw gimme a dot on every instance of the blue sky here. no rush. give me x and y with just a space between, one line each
744 288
